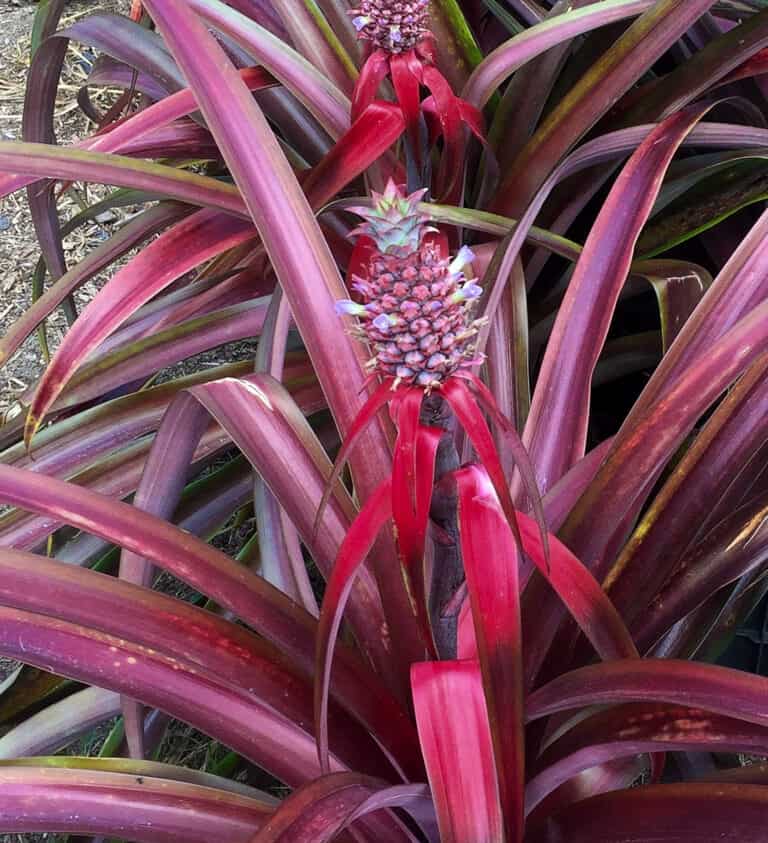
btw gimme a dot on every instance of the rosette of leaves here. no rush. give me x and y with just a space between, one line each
508 613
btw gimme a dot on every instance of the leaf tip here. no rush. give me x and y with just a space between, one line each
31 426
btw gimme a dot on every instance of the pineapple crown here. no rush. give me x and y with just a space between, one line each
392 25
393 221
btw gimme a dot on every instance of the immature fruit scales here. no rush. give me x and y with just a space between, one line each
392 25
416 305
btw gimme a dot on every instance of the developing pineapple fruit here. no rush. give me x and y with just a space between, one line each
416 304
392 26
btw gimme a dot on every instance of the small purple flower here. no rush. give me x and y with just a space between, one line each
348 307
468 292
384 322
464 257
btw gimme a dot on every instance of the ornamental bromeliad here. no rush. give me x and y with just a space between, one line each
416 314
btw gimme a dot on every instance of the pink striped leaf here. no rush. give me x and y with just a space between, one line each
315 91
555 432
39 160
626 730
144 357
146 224
146 809
299 254
320 810
721 690
317 41
231 715
189 243
208 570
624 476
512 54
356 545
127 136
492 584
624 62
602 778
199 639
455 738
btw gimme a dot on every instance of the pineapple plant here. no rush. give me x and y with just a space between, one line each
417 303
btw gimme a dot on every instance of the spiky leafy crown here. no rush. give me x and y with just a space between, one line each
392 25
393 221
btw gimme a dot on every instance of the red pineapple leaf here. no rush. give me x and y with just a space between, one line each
463 404
580 592
407 409
371 76
473 118
426 454
492 583
429 110
355 547
405 79
450 174
369 137
519 454
456 743
413 471
382 395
